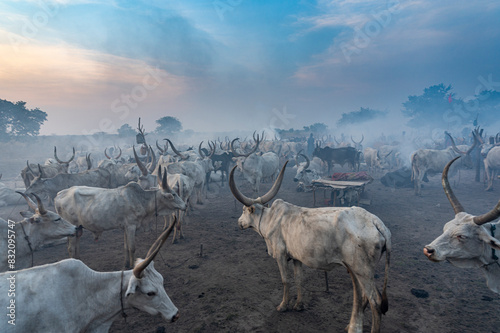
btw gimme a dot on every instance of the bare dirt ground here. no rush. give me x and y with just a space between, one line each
235 286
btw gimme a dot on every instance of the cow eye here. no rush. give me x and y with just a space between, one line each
151 293
57 220
461 237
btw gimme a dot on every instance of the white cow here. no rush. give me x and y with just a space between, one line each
433 161
467 240
322 238
307 172
126 207
68 296
491 165
254 167
37 229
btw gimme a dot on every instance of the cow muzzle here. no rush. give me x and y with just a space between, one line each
174 318
430 253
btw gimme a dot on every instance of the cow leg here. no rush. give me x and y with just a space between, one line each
129 246
356 322
286 285
297 272
375 300
74 246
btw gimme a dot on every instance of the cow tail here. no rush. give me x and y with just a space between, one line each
385 302
386 234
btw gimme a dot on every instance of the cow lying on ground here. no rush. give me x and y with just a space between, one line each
322 238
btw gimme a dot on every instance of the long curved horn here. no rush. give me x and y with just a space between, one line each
153 250
162 151
30 202
141 166
106 153
274 190
89 162
262 200
120 154
178 153
152 166
473 145
457 207
62 162
200 151
248 154
29 168
308 162
164 184
41 175
237 194
388 154
41 209
212 146
334 138
488 217
497 138
453 145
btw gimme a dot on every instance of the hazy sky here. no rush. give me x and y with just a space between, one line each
94 65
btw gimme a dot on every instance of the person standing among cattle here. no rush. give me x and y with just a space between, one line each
310 145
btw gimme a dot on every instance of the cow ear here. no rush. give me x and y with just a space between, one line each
491 241
34 219
168 196
26 213
133 286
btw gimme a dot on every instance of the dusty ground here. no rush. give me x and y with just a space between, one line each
235 286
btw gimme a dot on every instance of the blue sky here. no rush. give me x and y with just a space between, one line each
93 65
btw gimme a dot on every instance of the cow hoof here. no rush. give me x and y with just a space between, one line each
281 308
298 306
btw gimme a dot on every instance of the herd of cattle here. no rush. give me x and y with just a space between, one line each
125 190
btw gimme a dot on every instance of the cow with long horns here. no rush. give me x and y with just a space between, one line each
427 162
126 207
68 296
47 170
254 167
322 238
468 241
39 227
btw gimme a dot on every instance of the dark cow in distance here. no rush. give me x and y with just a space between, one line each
339 156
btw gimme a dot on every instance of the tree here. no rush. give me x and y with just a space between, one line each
16 121
436 107
126 131
168 125
357 117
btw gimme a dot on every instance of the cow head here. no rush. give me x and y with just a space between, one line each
302 168
145 290
44 224
466 240
145 179
169 199
253 208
